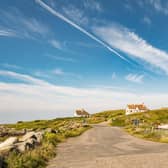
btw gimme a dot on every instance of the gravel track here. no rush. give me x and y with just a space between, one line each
109 147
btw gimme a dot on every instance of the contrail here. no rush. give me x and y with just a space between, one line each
55 13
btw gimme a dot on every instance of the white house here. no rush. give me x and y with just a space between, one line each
135 108
81 113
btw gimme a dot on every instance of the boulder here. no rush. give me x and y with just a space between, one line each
50 130
27 145
27 136
8 145
29 141
8 142
17 133
39 136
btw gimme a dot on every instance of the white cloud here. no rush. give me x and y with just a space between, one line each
10 66
76 15
57 14
23 26
7 33
45 100
56 44
22 77
130 43
147 20
135 78
62 73
92 5
61 58
35 26
159 5
128 6
58 71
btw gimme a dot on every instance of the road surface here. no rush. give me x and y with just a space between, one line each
109 147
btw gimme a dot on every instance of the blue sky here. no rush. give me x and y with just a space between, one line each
57 56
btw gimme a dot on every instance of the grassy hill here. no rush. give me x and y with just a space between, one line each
148 122
58 130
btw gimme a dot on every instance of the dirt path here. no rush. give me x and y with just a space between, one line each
109 147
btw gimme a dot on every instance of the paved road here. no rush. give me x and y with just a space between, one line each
109 147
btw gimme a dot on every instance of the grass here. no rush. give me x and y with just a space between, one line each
38 157
146 128
106 115
43 124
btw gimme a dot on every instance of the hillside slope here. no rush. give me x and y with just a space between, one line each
148 122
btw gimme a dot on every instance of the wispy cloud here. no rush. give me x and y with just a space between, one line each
10 66
56 44
134 46
61 58
22 77
159 5
35 26
76 15
93 5
147 20
128 6
23 26
58 71
7 33
57 14
135 78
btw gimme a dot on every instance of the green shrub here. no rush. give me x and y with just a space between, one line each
120 122
53 138
36 158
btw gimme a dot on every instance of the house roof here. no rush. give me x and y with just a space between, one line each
139 106
82 112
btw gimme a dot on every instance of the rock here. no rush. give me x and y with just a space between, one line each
28 136
39 136
50 130
27 145
11 132
8 142
3 134
8 145
29 141
76 125
17 133
32 135
21 147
